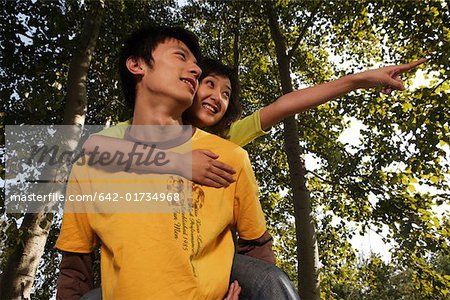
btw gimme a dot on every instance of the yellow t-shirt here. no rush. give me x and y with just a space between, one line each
241 132
168 255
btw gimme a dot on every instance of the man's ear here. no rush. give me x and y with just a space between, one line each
135 65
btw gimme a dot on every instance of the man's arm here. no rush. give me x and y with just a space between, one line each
76 276
304 99
76 241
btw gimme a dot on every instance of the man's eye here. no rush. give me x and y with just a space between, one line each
182 55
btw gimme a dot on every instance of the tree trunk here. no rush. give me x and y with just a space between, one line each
307 252
237 29
20 271
76 105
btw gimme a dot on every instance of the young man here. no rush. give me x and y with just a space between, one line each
159 255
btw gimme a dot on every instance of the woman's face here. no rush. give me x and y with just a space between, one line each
210 102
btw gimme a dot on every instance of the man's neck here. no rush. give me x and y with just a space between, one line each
163 112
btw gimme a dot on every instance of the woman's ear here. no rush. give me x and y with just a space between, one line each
135 65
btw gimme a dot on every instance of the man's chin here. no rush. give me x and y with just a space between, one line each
186 103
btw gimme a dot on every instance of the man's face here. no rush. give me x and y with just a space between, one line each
174 72
211 101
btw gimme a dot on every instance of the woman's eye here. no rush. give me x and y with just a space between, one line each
210 83
226 95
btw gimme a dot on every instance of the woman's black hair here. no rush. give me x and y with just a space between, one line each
211 66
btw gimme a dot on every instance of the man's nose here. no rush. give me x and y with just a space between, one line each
195 70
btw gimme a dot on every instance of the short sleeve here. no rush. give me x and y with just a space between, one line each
248 214
246 130
76 234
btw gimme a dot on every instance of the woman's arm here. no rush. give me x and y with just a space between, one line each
206 169
304 99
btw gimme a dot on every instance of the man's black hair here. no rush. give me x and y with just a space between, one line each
211 66
141 44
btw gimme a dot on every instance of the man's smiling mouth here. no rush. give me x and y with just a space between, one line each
189 81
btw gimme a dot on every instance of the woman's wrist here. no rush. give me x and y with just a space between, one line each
354 81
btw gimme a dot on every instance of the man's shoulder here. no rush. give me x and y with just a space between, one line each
202 138
116 131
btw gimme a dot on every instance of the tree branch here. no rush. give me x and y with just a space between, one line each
338 185
312 128
439 84
304 29
330 182
448 6
237 28
25 35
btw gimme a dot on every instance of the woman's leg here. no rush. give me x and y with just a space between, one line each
95 294
261 280
258 279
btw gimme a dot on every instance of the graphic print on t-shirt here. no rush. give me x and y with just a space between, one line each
187 225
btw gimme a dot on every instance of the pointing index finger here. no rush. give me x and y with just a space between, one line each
411 65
